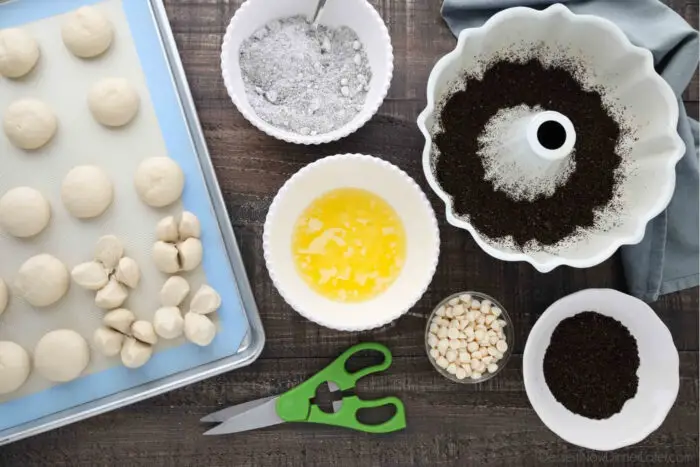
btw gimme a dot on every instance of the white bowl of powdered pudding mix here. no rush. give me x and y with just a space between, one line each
301 83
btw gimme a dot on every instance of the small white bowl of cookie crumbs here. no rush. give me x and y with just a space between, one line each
469 337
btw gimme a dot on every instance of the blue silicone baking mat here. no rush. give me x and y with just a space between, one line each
164 98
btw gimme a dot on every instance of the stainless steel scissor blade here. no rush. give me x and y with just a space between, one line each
259 415
225 414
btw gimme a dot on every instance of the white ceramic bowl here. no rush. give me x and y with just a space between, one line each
658 372
358 15
616 64
396 188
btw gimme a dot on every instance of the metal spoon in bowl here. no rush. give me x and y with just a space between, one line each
317 14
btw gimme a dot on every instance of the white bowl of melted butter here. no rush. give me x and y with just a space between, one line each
351 242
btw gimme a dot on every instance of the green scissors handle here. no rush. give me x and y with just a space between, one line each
295 404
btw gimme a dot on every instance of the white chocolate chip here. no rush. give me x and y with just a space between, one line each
464 357
501 346
460 373
472 347
440 311
451 356
492 368
452 368
475 305
495 311
433 328
433 340
454 301
443 345
465 298
454 324
434 354
453 333
458 310
442 332
454 344
442 362
476 375
486 306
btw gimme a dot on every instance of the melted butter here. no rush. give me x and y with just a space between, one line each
349 245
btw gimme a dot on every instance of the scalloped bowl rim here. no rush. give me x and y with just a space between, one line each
319 319
618 241
368 111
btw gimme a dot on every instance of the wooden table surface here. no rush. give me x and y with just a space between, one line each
449 424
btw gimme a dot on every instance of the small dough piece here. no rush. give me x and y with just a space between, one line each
111 295
168 322
135 354
174 291
29 124
91 275
120 320
128 272
19 53
189 226
199 329
165 255
108 341
159 181
113 102
61 355
14 366
87 33
143 331
4 296
205 301
24 212
42 280
166 230
108 251
190 253
87 191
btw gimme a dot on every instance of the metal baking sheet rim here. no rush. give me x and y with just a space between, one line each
254 340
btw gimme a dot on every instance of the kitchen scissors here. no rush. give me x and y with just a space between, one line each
297 404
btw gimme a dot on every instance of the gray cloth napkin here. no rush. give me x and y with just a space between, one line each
666 260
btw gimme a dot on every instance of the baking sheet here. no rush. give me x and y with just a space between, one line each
62 80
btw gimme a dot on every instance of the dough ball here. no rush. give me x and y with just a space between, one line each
19 52
128 272
42 280
199 329
165 257
113 102
166 230
111 296
61 355
168 322
91 275
143 331
4 296
120 319
159 181
206 300
190 253
108 251
29 123
135 353
174 291
86 191
108 341
87 33
189 226
14 366
24 212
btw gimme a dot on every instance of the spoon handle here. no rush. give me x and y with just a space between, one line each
317 13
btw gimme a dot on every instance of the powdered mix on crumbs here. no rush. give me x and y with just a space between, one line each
304 79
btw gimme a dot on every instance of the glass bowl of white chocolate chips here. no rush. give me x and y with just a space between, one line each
469 337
